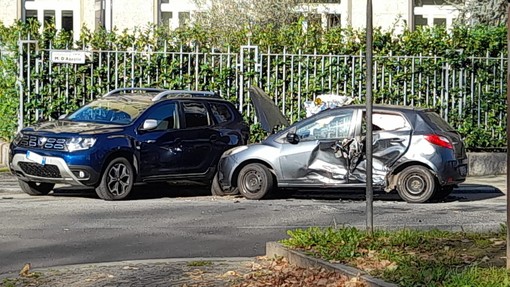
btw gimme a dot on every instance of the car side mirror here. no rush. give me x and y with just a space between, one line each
149 124
61 117
292 138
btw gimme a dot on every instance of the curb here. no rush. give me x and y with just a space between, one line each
298 258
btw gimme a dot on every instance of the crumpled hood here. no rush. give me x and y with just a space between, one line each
268 114
63 126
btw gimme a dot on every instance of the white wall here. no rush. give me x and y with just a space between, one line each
125 14
176 6
10 11
385 13
131 14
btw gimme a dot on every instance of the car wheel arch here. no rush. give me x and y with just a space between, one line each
121 153
235 174
392 177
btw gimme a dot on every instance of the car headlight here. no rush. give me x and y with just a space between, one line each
80 143
236 150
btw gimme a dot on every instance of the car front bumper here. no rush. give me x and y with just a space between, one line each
226 169
54 170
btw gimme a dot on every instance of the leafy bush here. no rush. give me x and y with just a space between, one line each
411 257
470 96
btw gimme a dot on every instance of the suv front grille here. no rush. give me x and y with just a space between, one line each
36 169
30 141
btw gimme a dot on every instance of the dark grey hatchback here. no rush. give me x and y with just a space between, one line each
415 152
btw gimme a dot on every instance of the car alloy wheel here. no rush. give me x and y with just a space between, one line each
117 180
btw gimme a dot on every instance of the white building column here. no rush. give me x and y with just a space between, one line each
108 15
58 19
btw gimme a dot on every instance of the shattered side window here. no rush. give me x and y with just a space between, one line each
336 126
389 122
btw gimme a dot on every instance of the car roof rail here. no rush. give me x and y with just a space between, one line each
131 89
185 94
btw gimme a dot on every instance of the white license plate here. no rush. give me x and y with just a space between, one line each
463 170
36 157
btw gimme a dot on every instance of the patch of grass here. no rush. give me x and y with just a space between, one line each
9 283
412 257
4 169
200 263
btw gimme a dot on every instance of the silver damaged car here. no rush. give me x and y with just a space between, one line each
415 152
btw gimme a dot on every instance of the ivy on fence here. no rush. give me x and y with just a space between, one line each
461 73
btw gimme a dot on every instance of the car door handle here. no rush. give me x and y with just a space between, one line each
397 140
150 141
213 138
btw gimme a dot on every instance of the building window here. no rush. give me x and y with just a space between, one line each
420 21
184 18
420 3
99 7
30 14
166 18
334 20
67 20
49 16
440 21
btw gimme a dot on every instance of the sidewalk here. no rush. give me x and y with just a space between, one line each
212 272
485 183
280 267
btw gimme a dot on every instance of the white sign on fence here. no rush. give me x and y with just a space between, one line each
68 57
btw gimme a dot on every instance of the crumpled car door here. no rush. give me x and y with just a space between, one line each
391 139
315 159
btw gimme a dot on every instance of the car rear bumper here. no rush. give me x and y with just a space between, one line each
54 170
454 172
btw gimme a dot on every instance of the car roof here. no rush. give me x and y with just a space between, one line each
155 94
384 107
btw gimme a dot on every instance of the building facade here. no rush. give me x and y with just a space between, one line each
121 14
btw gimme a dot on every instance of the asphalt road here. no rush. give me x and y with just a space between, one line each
71 226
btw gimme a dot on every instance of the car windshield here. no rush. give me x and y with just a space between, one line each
439 122
113 110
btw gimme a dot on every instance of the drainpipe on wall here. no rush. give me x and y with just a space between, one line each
411 15
21 10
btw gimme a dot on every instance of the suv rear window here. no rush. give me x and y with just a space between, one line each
439 122
195 114
221 112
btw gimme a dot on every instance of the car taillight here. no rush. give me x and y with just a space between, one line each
439 141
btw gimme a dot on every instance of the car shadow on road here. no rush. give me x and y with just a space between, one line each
169 190
143 191
475 192
467 193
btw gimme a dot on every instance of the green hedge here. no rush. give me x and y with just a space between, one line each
459 48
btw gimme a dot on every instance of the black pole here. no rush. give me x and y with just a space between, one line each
369 191
508 138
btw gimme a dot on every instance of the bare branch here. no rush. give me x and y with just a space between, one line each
484 12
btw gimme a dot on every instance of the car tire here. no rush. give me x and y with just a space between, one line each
36 188
416 184
117 180
255 181
217 190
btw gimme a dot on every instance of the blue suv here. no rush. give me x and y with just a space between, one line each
129 135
